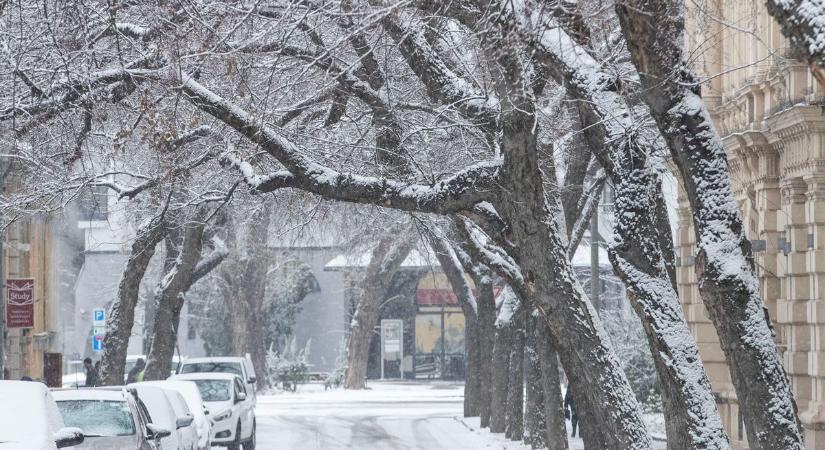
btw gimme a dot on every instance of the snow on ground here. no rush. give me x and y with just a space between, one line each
389 415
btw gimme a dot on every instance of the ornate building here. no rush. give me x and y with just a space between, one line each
769 110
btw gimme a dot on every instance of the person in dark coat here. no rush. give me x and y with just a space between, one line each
134 374
570 409
91 373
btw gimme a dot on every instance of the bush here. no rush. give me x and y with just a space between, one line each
290 368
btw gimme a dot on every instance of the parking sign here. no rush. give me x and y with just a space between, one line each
99 317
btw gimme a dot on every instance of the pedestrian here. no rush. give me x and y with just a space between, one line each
570 410
136 374
91 373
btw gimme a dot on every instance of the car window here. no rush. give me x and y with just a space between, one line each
98 417
214 390
239 387
222 367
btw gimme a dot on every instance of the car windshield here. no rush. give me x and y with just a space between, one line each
223 367
98 417
214 390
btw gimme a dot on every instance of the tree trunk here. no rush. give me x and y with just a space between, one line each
387 257
535 421
472 375
486 340
556 433
452 268
724 264
121 315
515 392
500 378
169 298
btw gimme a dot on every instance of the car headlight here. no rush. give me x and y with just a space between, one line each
222 416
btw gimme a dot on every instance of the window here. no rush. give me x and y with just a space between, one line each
98 417
213 390
205 367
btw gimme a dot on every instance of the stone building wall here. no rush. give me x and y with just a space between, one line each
769 111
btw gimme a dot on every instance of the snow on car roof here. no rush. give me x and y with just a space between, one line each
215 359
204 376
88 394
27 412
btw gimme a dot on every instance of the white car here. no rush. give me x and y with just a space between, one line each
192 395
30 420
231 410
238 365
162 416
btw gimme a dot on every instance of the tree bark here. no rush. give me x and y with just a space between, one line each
169 293
386 259
638 254
486 341
500 377
555 431
515 392
724 264
535 420
452 268
170 297
121 315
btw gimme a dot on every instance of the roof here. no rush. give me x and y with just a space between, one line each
415 260
88 394
205 376
240 359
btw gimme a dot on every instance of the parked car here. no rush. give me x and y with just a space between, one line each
161 416
238 365
107 419
192 395
231 410
30 420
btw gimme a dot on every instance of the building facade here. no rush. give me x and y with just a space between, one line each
769 111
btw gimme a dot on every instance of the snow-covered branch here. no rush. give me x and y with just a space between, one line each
456 193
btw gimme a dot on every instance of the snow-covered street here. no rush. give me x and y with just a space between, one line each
390 415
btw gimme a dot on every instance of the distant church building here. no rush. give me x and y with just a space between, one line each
769 110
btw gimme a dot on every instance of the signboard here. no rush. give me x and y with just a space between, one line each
99 317
392 336
97 343
20 303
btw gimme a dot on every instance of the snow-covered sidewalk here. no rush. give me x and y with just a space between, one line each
389 415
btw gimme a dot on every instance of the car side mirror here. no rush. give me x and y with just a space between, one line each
156 432
241 397
185 421
68 437
205 411
251 380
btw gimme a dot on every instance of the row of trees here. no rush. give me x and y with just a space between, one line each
446 111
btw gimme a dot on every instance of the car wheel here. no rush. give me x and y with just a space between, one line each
236 445
250 444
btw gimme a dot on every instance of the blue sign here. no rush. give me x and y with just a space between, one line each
97 343
99 315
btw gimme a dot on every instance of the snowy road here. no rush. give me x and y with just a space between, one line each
388 416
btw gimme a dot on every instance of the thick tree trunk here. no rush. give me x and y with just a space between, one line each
724 263
386 259
486 340
535 421
453 270
472 375
555 432
515 392
169 294
500 377
121 315
638 254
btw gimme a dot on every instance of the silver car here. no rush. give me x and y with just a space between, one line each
104 416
